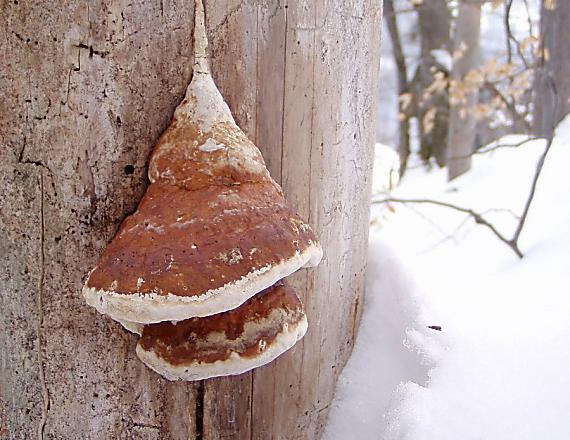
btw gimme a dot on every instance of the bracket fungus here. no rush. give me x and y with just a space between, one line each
228 343
212 231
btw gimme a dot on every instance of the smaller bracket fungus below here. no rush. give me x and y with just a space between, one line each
228 343
213 228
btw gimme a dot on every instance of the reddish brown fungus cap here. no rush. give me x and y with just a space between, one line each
196 253
228 343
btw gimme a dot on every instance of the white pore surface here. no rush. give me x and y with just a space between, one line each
153 308
232 366
133 327
498 370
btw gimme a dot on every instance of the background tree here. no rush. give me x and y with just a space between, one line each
432 107
403 84
464 95
552 85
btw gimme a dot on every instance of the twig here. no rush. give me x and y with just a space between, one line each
532 190
499 146
511 37
476 216
512 243
449 237
503 210
507 22
512 109
438 228
529 19
540 164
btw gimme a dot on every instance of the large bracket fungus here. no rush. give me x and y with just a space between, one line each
212 231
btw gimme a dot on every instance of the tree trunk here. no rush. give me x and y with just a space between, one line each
435 23
463 123
88 88
403 86
552 85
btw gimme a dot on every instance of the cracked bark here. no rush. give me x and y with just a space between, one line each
44 388
301 88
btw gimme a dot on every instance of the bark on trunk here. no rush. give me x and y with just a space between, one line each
88 88
552 86
463 124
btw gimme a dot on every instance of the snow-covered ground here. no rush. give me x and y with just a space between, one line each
499 369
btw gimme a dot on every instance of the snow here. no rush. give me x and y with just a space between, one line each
498 369
386 168
443 57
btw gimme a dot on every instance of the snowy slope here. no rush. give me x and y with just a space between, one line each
498 370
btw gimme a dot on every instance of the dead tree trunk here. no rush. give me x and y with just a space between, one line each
552 86
88 88
463 124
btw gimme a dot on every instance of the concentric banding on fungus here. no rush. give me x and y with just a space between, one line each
228 343
187 253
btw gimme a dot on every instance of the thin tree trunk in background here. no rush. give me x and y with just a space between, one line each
462 127
552 84
88 88
403 86
434 22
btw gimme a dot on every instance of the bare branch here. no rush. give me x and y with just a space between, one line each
500 146
507 22
477 217
503 210
533 186
529 19
512 243
510 106
511 37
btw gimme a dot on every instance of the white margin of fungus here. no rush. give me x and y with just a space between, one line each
133 327
235 364
150 308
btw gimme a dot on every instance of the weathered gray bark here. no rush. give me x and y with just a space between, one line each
552 86
463 123
435 22
88 88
